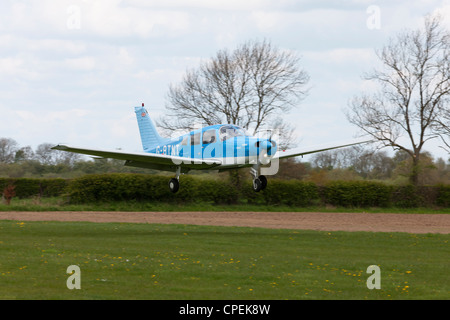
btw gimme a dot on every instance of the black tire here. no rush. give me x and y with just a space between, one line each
174 185
263 180
257 185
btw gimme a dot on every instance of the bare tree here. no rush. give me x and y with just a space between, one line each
46 155
326 160
249 87
8 149
442 127
414 91
24 154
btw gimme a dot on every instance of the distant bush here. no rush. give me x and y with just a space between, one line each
9 193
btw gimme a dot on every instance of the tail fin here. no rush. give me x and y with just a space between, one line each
149 136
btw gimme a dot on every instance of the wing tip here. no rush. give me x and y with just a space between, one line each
60 147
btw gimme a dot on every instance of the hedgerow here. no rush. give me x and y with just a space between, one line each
139 187
26 188
356 194
154 188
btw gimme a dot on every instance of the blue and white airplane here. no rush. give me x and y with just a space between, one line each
218 147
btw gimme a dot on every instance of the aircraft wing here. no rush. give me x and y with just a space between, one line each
147 160
281 154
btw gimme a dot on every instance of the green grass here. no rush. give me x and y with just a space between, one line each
144 261
59 204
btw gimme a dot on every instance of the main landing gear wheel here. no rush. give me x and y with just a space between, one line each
174 185
259 181
263 180
257 185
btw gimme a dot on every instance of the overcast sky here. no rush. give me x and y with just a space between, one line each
71 71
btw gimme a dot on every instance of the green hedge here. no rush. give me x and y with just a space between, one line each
420 196
291 193
356 194
27 188
118 187
123 187
154 188
443 196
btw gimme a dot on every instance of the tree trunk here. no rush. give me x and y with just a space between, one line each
414 177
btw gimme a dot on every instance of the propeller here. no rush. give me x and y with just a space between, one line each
265 147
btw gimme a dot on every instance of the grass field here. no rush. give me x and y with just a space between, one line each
144 261
59 204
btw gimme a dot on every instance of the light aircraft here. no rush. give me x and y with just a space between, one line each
218 147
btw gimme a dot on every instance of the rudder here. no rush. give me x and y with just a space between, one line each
149 135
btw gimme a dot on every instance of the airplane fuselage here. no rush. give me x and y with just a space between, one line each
227 142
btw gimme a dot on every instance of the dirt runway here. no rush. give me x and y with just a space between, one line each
375 222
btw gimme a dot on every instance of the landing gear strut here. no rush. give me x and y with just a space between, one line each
174 183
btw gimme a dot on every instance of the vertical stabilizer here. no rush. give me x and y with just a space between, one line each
149 136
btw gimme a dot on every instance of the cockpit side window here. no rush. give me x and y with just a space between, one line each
209 136
195 139
229 131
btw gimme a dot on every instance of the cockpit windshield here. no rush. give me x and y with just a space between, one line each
229 131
